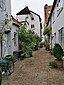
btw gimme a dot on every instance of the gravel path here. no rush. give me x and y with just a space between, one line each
35 71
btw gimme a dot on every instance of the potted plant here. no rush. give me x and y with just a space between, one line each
58 53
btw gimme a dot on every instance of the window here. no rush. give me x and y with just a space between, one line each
14 38
61 37
59 7
32 26
55 37
3 4
32 18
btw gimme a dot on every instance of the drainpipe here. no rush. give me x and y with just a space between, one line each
51 33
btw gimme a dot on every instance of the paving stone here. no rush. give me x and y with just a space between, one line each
35 71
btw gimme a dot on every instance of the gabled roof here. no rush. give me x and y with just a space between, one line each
27 11
24 11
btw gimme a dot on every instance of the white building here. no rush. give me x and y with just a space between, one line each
31 20
5 8
57 22
10 37
8 30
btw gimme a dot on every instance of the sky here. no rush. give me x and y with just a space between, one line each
36 6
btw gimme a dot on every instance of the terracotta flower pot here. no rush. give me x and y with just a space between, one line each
59 63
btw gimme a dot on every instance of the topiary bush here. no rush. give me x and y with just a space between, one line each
58 51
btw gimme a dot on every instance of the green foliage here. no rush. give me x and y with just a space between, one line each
51 52
28 40
47 47
58 51
63 53
53 64
3 65
6 21
47 31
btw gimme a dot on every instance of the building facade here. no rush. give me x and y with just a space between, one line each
30 20
57 22
5 11
8 30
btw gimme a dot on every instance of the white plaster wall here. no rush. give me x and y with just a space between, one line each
14 47
8 7
36 22
57 25
2 17
21 17
8 10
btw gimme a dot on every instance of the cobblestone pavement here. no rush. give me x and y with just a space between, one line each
35 71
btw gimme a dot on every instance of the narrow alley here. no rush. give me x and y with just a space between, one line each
35 71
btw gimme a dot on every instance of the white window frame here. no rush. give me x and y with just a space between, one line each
61 36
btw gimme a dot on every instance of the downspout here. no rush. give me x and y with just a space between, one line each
51 33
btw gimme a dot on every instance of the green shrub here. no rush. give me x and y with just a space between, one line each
28 40
27 50
58 51
63 53
53 64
